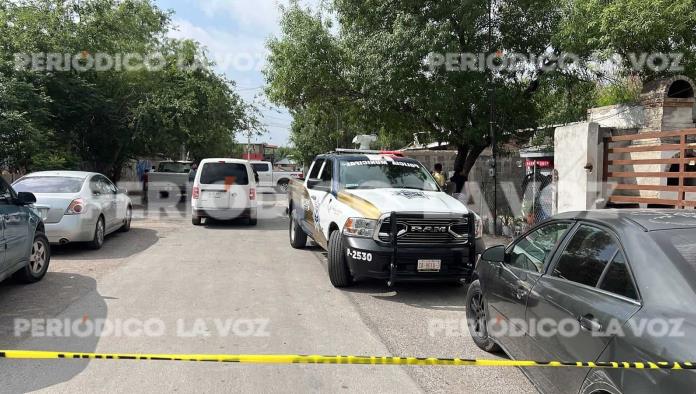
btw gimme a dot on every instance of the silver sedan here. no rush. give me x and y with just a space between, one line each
78 206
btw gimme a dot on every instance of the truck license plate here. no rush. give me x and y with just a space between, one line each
429 265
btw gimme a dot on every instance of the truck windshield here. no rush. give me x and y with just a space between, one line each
174 167
379 174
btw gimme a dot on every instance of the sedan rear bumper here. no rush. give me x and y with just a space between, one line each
71 228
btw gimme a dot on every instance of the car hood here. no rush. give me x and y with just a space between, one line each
408 200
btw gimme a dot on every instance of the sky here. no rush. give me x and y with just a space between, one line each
235 33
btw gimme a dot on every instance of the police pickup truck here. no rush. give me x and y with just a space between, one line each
380 215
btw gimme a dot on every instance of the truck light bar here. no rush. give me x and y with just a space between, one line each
370 152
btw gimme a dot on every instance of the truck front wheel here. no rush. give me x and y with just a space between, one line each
298 238
339 274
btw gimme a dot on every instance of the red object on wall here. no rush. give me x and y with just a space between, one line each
252 156
543 163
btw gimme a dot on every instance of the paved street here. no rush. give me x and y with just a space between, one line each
185 276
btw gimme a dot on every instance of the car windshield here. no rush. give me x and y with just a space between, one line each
227 173
174 167
49 184
379 174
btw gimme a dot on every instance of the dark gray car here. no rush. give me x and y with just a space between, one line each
610 285
24 248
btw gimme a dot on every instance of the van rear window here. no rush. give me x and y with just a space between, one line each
231 173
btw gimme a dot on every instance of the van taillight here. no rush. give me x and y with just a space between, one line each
196 193
252 194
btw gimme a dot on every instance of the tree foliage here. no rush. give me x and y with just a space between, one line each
99 119
375 63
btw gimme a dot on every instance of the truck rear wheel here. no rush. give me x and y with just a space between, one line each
298 238
338 267
282 186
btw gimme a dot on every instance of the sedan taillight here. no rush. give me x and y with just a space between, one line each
196 193
76 207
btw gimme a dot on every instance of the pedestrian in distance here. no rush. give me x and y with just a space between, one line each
439 176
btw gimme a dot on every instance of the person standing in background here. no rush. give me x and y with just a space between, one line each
439 176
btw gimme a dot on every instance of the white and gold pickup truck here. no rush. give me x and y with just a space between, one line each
380 215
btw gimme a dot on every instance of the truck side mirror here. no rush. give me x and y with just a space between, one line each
313 182
318 184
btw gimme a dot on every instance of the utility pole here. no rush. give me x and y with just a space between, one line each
249 145
491 120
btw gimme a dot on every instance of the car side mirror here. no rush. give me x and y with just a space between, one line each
26 198
495 254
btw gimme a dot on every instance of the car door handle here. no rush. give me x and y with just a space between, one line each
589 323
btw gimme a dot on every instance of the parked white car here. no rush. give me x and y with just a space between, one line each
270 178
78 206
224 189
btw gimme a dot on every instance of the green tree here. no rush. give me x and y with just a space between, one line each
375 60
99 120
376 63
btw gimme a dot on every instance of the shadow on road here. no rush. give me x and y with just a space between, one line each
116 246
63 296
435 296
279 223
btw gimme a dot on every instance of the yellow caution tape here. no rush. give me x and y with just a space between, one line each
316 359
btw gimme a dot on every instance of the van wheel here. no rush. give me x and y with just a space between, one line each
298 238
253 220
99 233
38 260
477 319
338 267
195 220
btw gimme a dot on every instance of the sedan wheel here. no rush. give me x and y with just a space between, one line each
39 260
127 221
477 320
99 233
39 257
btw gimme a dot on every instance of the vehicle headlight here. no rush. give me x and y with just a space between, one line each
478 227
360 227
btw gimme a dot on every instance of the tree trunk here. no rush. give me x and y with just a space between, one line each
464 162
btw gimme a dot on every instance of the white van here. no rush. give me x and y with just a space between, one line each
224 189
